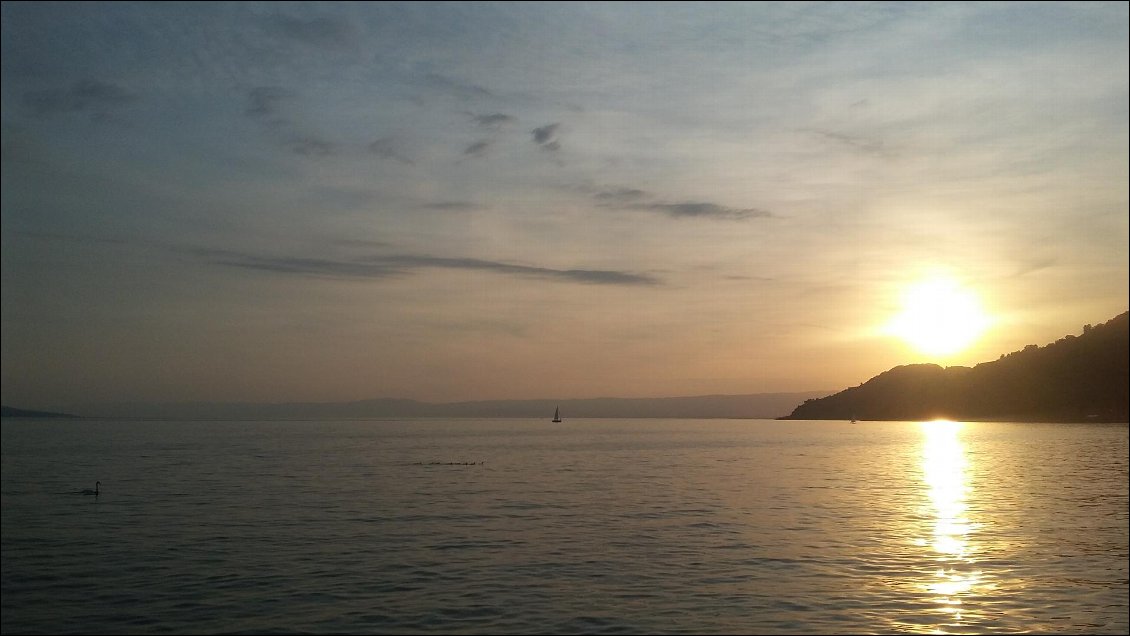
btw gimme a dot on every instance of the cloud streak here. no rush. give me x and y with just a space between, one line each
310 146
263 100
390 148
702 210
264 104
855 142
87 95
381 267
620 196
492 121
320 32
588 276
460 89
450 205
636 199
314 267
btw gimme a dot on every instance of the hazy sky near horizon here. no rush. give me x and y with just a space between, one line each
330 201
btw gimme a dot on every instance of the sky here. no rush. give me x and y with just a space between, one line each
326 202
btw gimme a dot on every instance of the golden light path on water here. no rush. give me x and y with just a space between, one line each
957 576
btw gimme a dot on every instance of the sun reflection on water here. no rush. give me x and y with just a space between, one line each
944 472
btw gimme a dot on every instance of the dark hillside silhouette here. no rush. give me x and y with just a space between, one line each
1081 378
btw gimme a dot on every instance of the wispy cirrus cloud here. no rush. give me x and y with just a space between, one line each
263 101
315 267
590 276
323 32
265 104
859 143
702 210
391 148
463 90
380 267
636 199
310 146
363 243
87 95
492 121
450 205
620 195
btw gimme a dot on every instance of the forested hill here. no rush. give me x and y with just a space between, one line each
1081 378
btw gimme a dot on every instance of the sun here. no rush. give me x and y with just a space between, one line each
939 317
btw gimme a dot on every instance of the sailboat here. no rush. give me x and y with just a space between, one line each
557 414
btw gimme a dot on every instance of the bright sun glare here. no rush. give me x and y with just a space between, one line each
939 317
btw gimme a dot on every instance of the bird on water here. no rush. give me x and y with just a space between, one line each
92 492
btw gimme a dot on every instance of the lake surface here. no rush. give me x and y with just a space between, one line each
590 526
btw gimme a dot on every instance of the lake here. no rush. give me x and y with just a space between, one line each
512 526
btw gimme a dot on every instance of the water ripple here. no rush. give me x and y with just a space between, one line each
661 526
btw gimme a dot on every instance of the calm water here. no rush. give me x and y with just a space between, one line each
590 526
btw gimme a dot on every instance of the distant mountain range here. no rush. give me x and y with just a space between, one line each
750 406
7 411
1083 378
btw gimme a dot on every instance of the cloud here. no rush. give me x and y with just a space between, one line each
459 89
1035 264
636 199
263 100
366 243
316 267
492 121
477 149
263 104
620 195
88 95
450 205
309 146
861 144
380 267
546 137
390 148
589 276
71 238
702 210
319 32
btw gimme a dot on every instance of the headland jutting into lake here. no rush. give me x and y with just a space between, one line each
1083 378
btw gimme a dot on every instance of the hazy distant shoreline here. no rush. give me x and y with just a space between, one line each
745 406
7 411
1081 378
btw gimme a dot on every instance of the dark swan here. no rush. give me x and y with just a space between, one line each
92 492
